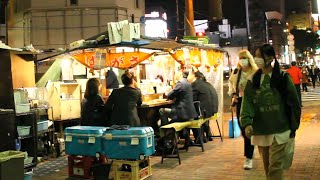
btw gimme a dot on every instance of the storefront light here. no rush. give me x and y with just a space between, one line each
156 28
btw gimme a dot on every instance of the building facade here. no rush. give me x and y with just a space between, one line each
55 24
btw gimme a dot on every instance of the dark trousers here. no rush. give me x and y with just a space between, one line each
304 87
248 148
298 88
314 79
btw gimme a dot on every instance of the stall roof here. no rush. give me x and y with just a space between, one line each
154 43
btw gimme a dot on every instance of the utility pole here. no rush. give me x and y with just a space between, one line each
189 23
178 19
248 25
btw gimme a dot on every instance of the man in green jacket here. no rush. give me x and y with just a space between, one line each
270 112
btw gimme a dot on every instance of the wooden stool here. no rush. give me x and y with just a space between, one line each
169 133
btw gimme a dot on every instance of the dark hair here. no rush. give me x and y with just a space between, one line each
159 77
267 50
199 75
127 78
185 73
293 63
92 88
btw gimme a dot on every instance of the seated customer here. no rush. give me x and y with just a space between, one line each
121 106
182 109
202 93
92 105
214 105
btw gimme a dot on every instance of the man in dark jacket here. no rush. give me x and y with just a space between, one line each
207 95
121 106
182 109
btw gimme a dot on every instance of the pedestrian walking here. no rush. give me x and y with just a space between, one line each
237 82
296 76
304 81
268 119
313 74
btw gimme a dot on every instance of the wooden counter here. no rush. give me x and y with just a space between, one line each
149 113
156 103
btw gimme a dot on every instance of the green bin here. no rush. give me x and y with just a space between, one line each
12 165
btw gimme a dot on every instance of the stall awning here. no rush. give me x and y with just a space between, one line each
98 56
101 58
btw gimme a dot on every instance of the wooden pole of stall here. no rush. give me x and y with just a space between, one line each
189 23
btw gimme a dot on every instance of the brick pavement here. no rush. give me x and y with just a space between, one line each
224 160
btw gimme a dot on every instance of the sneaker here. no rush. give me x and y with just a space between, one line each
247 164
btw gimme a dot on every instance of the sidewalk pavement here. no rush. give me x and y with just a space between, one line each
224 160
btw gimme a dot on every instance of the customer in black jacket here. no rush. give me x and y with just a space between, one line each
183 109
121 105
207 95
92 105
201 93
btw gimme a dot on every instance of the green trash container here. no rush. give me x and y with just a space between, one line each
12 165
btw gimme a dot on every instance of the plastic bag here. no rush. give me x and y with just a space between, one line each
289 150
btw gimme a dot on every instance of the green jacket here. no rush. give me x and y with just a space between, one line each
270 111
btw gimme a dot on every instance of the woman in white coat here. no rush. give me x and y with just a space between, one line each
245 70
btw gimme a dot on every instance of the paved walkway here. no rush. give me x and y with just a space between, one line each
224 160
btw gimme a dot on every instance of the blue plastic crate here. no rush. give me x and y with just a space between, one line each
132 144
84 140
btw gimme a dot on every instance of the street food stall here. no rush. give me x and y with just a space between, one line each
155 62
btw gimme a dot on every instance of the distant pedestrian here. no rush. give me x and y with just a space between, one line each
270 112
313 75
296 76
237 82
304 81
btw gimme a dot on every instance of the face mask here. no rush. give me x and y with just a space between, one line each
259 62
244 62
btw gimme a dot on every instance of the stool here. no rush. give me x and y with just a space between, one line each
134 170
216 118
169 133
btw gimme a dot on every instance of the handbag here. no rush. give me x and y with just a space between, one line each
289 150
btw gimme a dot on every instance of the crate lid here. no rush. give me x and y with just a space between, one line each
130 131
94 130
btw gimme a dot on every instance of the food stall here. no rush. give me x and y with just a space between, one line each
148 59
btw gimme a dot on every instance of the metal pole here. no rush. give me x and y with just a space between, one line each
178 19
7 21
248 24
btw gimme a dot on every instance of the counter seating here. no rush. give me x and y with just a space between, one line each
169 133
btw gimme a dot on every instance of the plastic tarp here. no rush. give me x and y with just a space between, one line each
7 155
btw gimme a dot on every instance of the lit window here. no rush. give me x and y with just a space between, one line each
73 2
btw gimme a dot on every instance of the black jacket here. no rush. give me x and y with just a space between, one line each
214 99
202 93
183 107
92 112
121 106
